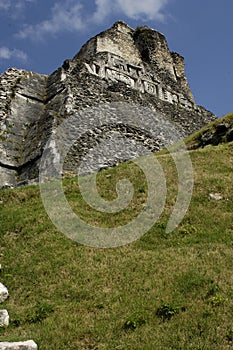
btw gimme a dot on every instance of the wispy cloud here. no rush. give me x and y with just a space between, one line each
68 15
65 16
14 4
134 9
147 9
5 4
8 54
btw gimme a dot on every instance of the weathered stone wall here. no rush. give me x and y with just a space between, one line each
180 75
141 47
112 67
90 88
22 124
118 40
154 49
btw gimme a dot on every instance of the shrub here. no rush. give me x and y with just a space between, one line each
167 311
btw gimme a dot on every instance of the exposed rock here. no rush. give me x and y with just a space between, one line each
3 293
26 345
215 196
220 131
229 135
4 318
120 65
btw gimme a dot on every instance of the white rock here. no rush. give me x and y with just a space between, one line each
4 318
3 293
27 345
215 196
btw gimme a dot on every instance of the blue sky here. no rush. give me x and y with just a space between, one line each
38 35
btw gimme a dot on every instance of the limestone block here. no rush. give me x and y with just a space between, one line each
27 345
7 177
3 293
4 318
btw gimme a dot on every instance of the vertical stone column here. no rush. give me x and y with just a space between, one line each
160 92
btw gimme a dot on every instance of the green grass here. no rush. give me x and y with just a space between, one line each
194 141
163 292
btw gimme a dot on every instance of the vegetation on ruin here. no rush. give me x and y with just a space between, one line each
164 291
194 141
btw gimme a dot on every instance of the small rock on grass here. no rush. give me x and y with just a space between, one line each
3 293
4 318
215 196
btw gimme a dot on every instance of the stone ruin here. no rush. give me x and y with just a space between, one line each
119 66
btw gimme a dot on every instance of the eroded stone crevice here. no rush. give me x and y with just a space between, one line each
33 98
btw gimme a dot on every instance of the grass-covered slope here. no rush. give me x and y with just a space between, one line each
220 131
163 292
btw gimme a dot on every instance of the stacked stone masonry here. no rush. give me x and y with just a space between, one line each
120 65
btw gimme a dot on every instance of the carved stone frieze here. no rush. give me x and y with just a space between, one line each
136 77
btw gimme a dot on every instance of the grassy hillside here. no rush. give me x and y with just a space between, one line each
163 292
220 131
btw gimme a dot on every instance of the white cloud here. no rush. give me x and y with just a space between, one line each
65 16
68 15
135 9
7 54
103 9
150 9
